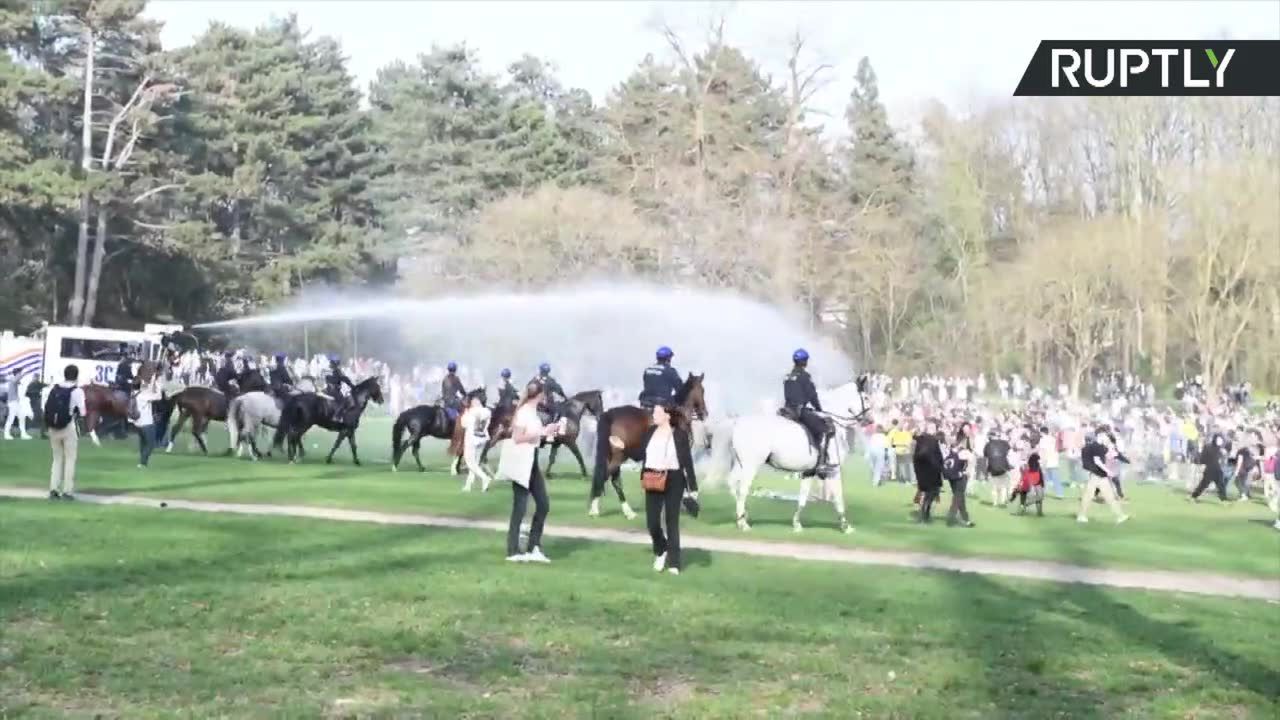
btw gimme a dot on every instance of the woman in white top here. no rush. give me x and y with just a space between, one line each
145 422
666 449
519 464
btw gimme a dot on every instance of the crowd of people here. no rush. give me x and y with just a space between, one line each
1022 450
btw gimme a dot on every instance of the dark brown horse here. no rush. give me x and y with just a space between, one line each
588 401
621 429
201 404
101 401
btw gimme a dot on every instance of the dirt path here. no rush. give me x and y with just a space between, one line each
1198 583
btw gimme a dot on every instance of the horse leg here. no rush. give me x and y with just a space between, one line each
91 424
341 435
198 425
351 442
806 483
253 446
613 466
417 445
742 489
177 428
834 486
551 459
616 479
577 454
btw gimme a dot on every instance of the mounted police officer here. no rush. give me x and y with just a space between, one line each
333 382
124 381
508 395
800 401
552 394
451 391
661 381
281 379
225 375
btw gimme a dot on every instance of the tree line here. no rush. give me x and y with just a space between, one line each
1052 237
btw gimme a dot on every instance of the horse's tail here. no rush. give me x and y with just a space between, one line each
397 437
720 462
604 450
234 421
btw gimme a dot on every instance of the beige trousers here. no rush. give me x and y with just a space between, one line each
1108 493
62 477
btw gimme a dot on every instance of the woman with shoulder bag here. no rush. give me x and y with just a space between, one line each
519 464
668 478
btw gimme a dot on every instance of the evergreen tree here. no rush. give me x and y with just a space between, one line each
881 169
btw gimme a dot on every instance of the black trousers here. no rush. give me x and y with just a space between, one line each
666 504
1208 479
520 502
928 496
958 507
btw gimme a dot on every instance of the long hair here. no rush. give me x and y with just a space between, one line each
531 392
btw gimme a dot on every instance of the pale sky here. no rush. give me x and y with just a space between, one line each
955 51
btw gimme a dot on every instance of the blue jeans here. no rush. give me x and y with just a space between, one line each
877 468
1053 481
147 442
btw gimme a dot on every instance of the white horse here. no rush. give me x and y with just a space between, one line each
475 433
249 413
749 442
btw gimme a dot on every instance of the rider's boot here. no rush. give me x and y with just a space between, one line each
824 464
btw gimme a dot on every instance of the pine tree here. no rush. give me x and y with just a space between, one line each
881 169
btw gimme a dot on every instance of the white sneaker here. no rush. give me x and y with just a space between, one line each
27 437
1121 519
1277 525
674 571
518 558
1081 519
535 555
660 563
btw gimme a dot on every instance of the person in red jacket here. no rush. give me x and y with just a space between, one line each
1031 486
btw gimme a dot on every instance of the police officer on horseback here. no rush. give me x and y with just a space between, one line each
280 378
225 375
124 380
800 400
552 394
333 382
452 392
508 396
661 381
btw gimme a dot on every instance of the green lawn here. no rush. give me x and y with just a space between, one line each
1165 533
125 612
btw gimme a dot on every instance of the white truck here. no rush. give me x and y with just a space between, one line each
96 351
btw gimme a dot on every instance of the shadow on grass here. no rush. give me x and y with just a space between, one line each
1019 665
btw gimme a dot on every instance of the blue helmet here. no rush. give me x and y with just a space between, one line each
800 356
544 368
280 356
335 359
664 353
506 373
452 366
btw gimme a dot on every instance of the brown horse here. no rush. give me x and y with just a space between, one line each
621 429
102 401
201 404
588 401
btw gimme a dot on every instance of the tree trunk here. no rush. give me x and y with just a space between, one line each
75 308
95 270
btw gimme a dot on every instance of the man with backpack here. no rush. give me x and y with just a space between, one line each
66 400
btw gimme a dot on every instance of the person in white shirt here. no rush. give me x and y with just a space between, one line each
519 464
19 411
668 476
1048 451
145 422
65 403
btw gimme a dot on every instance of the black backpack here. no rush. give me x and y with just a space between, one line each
57 409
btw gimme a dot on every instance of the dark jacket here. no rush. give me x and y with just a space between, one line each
551 389
661 383
508 396
683 454
927 461
1093 456
798 391
334 381
451 390
996 454
280 377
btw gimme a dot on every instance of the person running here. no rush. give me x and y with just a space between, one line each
1211 459
1093 458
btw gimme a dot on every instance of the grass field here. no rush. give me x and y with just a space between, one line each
123 612
1165 533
